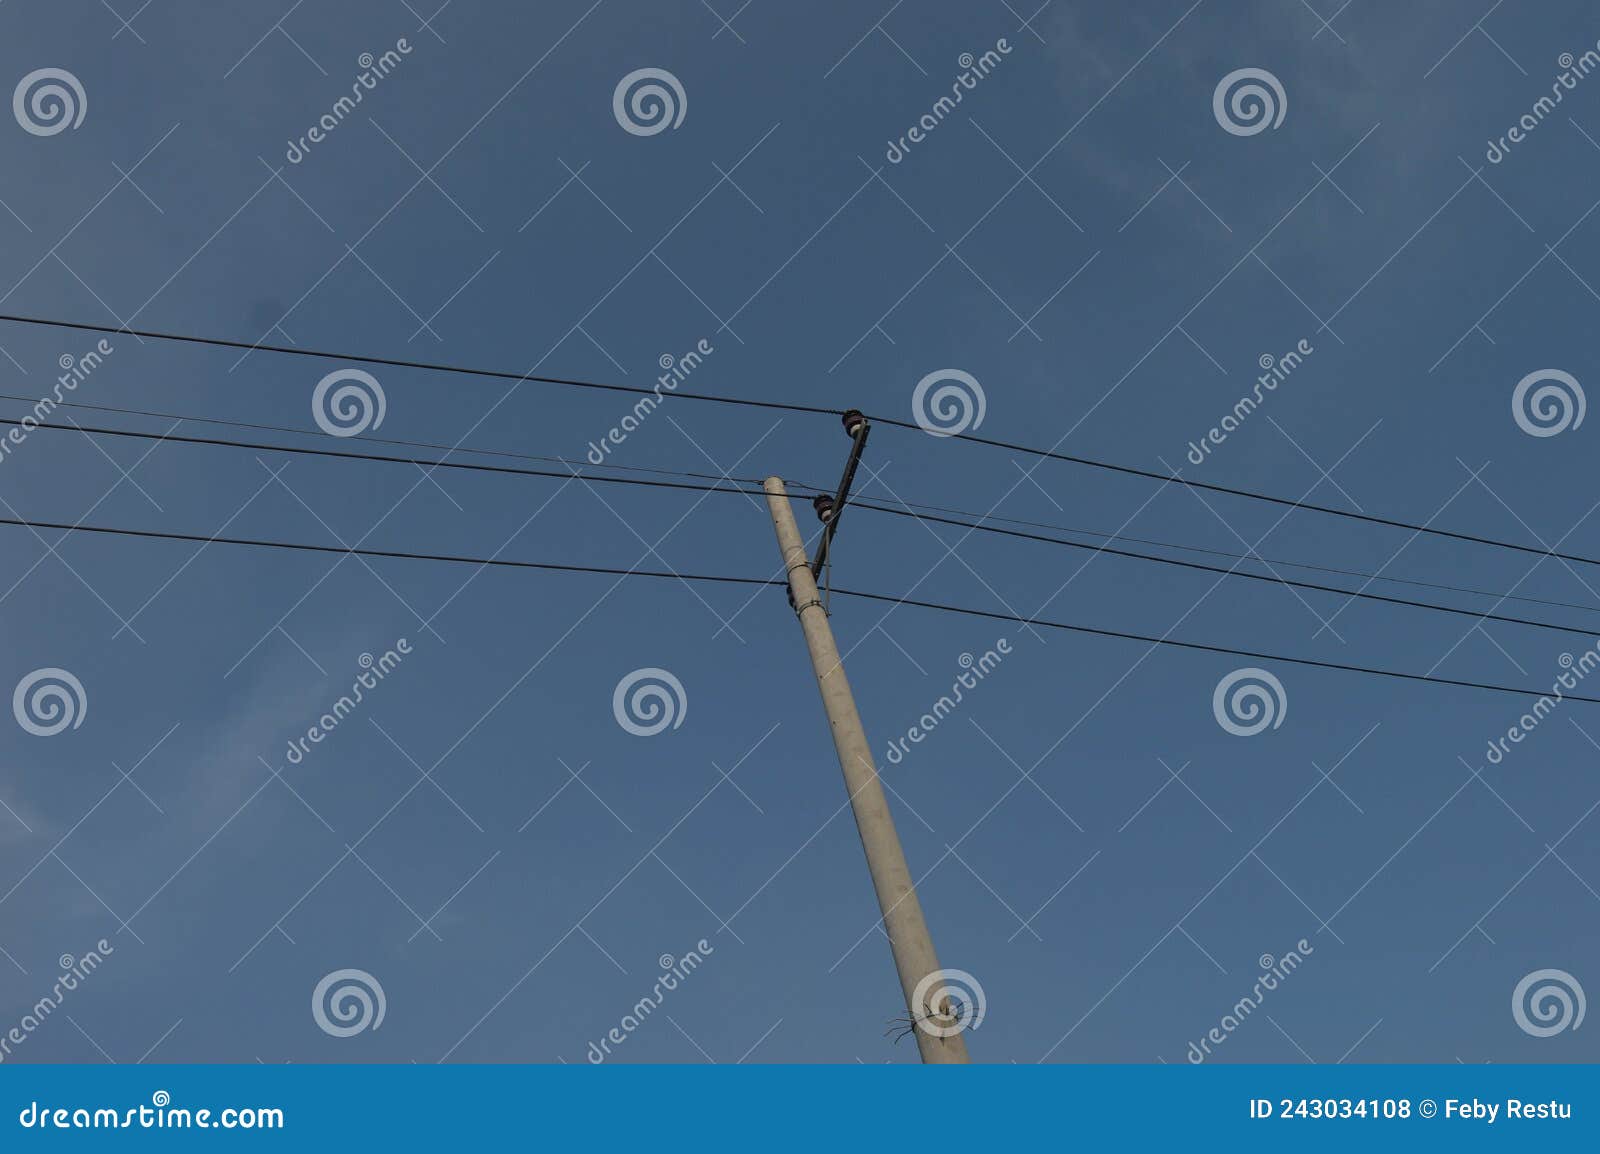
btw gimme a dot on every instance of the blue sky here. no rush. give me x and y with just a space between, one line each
1084 238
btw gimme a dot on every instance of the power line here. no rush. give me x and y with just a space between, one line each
1232 572
395 362
1251 556
552 566
721 487
397 554
922 507
99 431
1195 645
1050 454
365 438
1174 479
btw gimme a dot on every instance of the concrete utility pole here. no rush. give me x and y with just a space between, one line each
891 877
